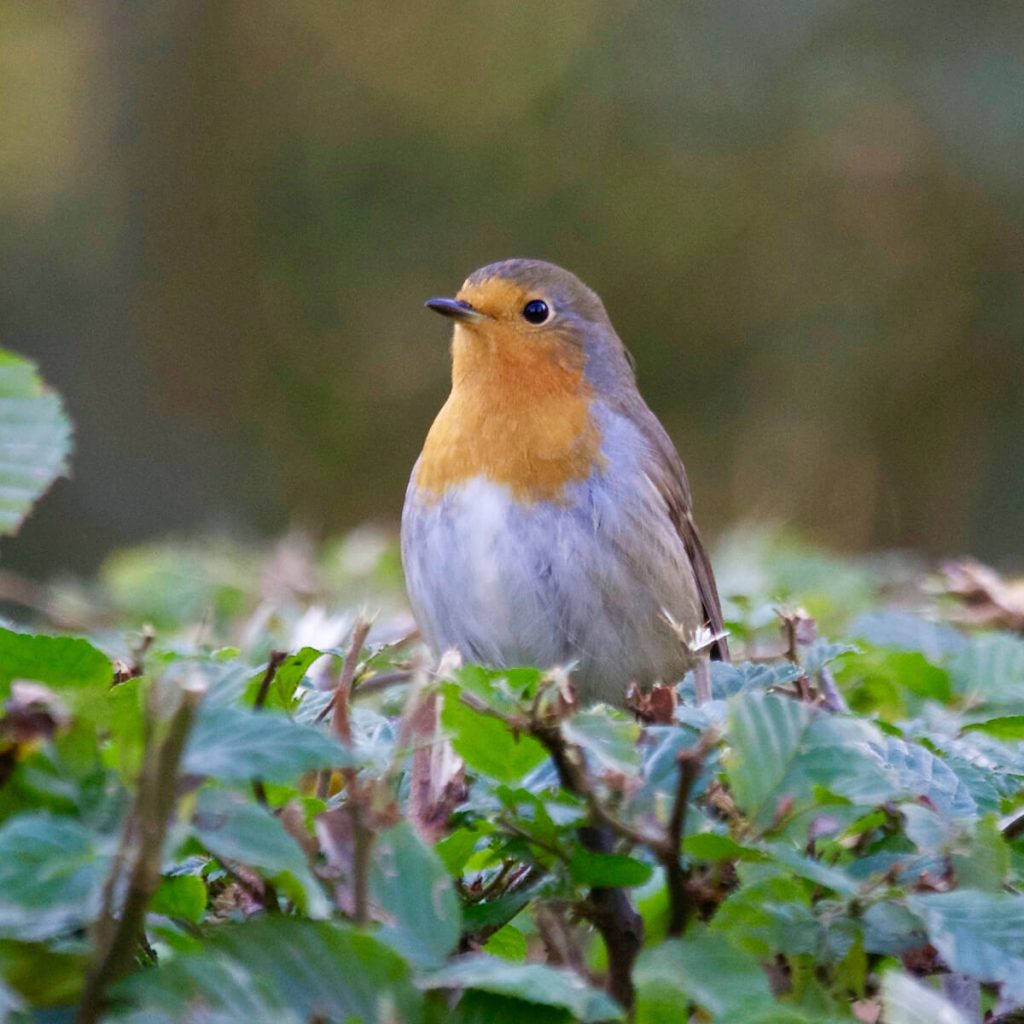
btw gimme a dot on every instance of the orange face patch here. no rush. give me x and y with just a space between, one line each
519 409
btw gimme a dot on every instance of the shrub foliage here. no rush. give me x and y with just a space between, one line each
219 801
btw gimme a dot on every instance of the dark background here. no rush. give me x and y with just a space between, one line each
218 222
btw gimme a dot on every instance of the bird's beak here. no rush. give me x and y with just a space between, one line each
457 309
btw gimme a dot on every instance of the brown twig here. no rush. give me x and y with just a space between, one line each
338 707
356 796
1015 828
382 681
273 664
690 762
613 915
117 937
276 659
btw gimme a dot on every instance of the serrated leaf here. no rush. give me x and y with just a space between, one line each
990 670
713 847
706 969
891 929
237 830
35 439
485 743
534 983
235 744
821 653
980 934
504 690
985 862
182 896
289 674
508 943
764 733
275 968
476 1007
607 737
51 873
410 883
1009 728
814 870
908 1001
63 662
921 774
904 631
731 678
607 870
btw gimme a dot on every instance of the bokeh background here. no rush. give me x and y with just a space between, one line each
218 222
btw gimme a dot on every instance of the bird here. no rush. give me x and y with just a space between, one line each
547 521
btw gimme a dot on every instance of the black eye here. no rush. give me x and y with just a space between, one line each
535 311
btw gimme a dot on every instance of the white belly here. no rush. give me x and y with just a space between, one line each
585 582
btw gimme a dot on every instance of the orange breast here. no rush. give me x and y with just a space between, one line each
518 414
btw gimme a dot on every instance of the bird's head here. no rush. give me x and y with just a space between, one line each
532 315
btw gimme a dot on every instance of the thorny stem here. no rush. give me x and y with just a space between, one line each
117 938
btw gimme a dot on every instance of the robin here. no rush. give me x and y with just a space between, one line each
547 520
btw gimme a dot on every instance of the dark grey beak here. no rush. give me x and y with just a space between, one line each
457 309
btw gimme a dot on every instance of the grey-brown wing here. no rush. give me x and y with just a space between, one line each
669 476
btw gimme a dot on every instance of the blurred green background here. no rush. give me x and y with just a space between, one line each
218 222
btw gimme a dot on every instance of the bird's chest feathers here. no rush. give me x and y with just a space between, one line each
522 420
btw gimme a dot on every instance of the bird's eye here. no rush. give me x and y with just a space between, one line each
536 311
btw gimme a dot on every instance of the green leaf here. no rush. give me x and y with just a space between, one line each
485 743
814 870
1009 728
50 876
534 983
507 942
476 1007
920 774
893 683
980 934
765 733
63 662
236 744
607 870
35 440
908 1001
607 736
234 829
182 896
891 929
503 689
713 847
289 674
821 653
985 863
456 848
43 976
410 883
702 968
990 670
903 631
731 678
276 968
